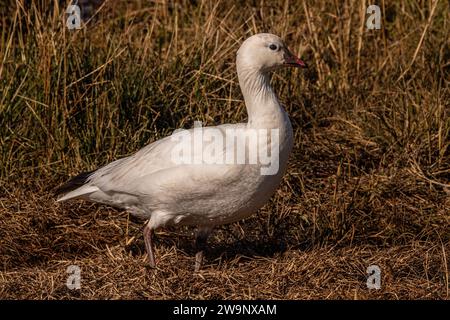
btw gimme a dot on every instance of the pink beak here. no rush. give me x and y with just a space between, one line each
292 60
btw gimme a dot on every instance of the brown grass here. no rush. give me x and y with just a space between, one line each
368 182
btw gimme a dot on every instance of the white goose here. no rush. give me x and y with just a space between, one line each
153 184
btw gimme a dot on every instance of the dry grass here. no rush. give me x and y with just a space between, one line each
368 183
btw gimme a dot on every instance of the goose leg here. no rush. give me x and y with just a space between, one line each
200 244
148 234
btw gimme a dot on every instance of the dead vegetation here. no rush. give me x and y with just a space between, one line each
368 182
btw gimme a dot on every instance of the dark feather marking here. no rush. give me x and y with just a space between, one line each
74 183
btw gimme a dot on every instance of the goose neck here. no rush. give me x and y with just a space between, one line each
262 105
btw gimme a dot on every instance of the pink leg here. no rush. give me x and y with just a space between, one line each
200 243
199 259
148 233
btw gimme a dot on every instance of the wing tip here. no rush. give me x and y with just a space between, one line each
73 184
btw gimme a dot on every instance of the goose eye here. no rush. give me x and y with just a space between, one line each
273 47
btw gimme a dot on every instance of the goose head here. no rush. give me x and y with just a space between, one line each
266 52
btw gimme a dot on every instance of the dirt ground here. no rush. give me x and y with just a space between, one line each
280 253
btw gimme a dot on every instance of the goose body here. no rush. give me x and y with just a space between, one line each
154 184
